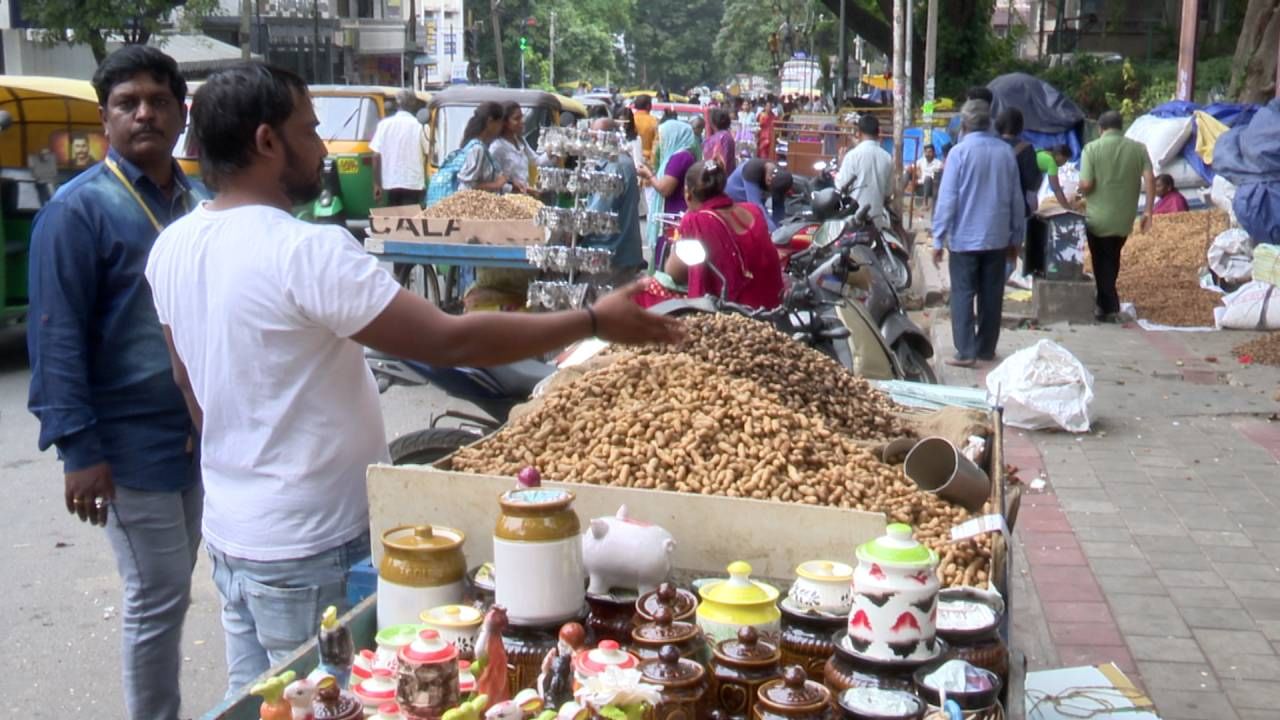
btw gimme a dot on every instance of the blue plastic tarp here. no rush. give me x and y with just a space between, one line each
1042 140
1229 114
1249 157
1044 108
913 143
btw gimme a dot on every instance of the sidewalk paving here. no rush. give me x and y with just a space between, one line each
1155 543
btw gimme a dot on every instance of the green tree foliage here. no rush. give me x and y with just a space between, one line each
94 22
670 43
585 31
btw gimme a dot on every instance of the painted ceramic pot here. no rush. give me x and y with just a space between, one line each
807 637
377 690
428 676
647 640
537 557
466 678
823 585
895 599
361 667
682 603
457 624
422 567
683 683
390 641
792 697
739 666
588 663
729 605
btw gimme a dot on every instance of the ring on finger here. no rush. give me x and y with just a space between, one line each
99 502
77 501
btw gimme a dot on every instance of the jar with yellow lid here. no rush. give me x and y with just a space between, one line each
728 605
458 625
422 567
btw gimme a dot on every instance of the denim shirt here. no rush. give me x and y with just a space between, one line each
625 244
980 206
741 190
101 380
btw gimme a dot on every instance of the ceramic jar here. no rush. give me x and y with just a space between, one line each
969 621
878 704
728 605
895 596
526 647
647 640
480 581
457 624
683 683
610 618
792 697
377 690
682 603
422 567
588 663
739 666
466 678
362 668
807 638
388 711
390 640
333 703
822 585
428 677
846 670
537 557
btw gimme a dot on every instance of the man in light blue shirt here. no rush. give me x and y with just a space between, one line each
980 218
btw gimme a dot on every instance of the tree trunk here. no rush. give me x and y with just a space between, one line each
1253 73
98 44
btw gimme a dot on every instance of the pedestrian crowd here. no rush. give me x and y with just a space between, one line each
197 352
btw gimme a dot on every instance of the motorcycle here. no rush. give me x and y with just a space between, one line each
328 207
494 391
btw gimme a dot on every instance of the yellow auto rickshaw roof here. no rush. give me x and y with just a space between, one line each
386 91
44 110
476 94
568 104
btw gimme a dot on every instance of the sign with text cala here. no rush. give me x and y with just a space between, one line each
406 224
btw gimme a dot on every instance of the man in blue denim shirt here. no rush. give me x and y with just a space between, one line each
101 381
980 215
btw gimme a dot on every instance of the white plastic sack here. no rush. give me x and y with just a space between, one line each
1043 386
1184 176
1255 306
1068 178
1223 195
1164 137
1231 256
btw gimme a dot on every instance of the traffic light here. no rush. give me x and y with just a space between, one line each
524 43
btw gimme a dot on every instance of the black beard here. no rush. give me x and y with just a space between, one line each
300 189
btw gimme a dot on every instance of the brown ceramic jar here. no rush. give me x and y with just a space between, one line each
792 697
526 647
422 567
807 638
682 603
846 670
648 639
739 666
683 683
537 557
610 618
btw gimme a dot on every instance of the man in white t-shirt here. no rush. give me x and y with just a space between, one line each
867 173
399 147
925 174
265 316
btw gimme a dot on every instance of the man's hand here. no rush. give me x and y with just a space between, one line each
89 493
937 256
1146 221
619 319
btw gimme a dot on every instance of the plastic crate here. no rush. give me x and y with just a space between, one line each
362 582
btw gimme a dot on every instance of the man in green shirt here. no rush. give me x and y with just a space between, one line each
1112 169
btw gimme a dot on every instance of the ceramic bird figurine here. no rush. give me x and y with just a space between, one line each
337 651
274 704
492 680
300 694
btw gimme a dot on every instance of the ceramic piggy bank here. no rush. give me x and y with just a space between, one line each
621 552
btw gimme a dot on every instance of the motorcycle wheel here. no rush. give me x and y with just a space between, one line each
896 269
420 280
914 365
423 447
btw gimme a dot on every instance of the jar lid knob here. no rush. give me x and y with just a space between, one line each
423 532
748 636
663 616
669 654
794 676
667 592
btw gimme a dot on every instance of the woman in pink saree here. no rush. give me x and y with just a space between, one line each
720 144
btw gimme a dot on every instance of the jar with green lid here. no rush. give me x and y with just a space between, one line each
895 597
422 566
537 557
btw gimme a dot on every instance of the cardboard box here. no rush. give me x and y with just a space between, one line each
406 224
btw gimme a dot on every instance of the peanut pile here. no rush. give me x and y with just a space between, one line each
1264 350
804 379
674 421
1160 269
481 205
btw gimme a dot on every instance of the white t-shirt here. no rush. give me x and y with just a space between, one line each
400 140
928 169
261 307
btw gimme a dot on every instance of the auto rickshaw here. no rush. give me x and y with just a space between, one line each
451 109
54 132
348 116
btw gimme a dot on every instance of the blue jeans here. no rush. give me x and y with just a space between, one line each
976 276
269 609
155 537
